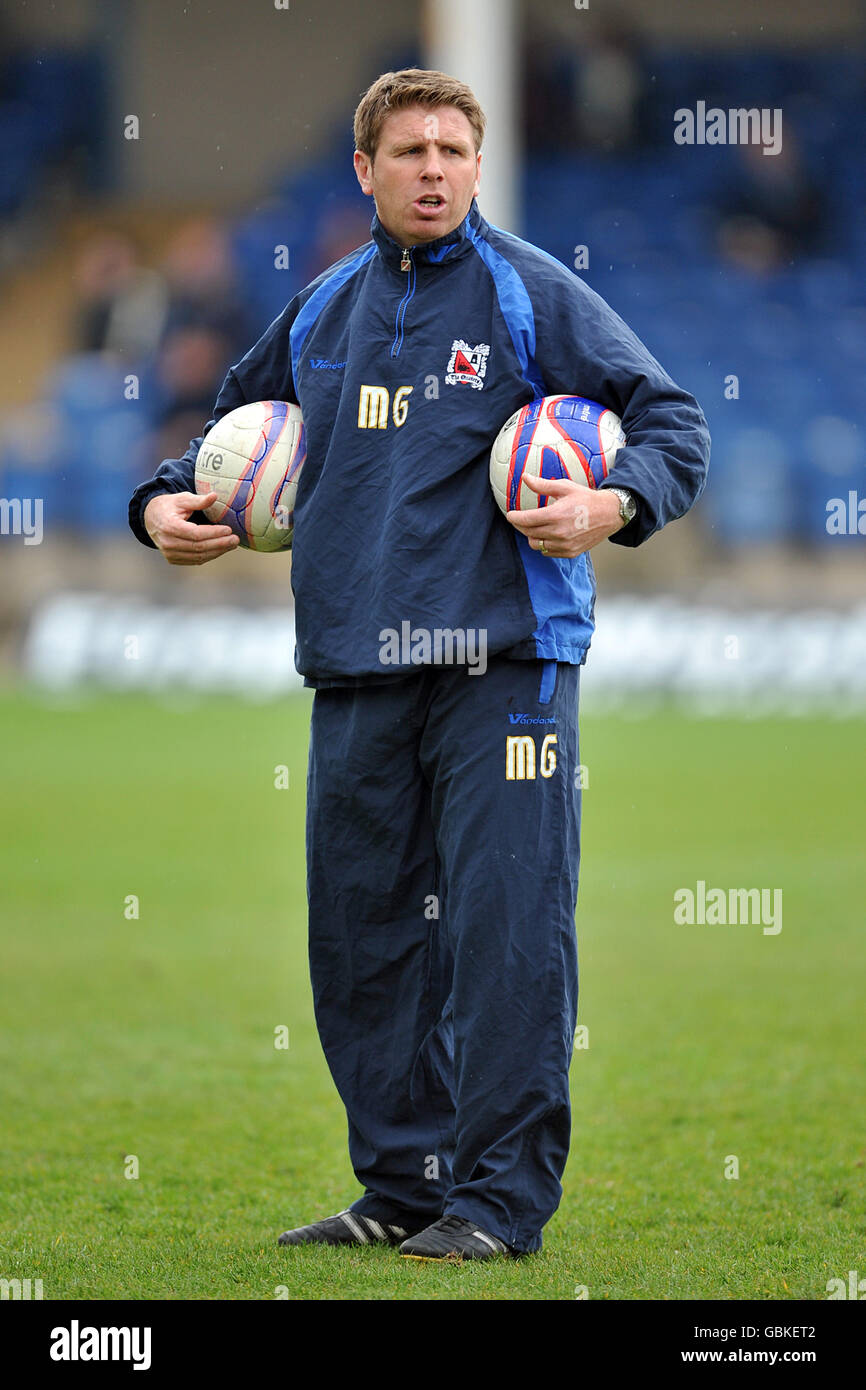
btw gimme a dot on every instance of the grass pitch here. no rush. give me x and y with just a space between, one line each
146 1043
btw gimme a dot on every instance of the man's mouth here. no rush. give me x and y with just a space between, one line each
430 200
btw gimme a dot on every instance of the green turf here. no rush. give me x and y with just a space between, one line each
154 1036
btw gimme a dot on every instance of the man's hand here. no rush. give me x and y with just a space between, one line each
182 542
574 521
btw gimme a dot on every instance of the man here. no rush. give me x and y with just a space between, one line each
443 811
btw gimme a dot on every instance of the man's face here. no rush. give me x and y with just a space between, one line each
424 174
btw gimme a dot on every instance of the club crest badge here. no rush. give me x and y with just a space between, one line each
467 366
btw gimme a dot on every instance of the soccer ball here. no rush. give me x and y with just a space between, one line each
553 437
252 458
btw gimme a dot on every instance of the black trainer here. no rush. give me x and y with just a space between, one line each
453 1238
347 1228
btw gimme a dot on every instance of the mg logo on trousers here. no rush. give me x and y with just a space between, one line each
520 759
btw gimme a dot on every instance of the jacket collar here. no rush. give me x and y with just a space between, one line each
439 252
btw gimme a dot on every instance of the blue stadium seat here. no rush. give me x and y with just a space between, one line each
831 464
750 497
254 240
102 433
20 155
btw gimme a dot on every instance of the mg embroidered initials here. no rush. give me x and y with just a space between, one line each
520 757
373 404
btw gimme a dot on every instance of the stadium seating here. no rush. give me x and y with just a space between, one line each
789 436
52 109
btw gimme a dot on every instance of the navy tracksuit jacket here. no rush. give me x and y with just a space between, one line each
444 806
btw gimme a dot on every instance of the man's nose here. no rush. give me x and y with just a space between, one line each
432 165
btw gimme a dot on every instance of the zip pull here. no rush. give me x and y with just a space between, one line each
406 262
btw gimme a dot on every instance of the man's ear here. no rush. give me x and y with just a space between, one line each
477 175
364 171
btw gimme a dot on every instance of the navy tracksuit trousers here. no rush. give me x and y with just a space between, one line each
443 842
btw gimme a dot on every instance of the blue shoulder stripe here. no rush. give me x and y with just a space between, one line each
561 592
516 307
319 298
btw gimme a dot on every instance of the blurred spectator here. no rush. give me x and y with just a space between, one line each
343 228
587 90
178 329
610 86
203 291
548 93
206 328
123 305
189 371
774 212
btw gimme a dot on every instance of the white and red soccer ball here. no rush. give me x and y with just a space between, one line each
553 437
252 458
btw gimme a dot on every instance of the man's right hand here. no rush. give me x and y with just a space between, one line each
183 542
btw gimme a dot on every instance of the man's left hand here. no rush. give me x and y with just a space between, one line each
574 520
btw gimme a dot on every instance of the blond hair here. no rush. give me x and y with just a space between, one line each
394 91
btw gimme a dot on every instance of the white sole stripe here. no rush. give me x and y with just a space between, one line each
488 1240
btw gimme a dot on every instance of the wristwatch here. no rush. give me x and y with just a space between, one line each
627 504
